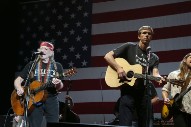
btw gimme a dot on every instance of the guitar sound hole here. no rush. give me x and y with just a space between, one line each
130 74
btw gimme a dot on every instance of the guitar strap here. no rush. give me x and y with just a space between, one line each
187 81
35 63
55 67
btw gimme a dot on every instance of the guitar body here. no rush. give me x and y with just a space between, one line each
111 77
166 112
17 102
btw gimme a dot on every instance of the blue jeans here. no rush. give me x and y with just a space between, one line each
49 109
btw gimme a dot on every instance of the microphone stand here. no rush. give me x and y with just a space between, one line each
27 95
149 121
66 116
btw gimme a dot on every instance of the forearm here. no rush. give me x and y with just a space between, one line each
166 100
155 100
164 94
156 72
59 86
18 87
109 57
17 83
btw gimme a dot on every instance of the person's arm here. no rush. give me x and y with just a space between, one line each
165 97
166 89
17 85
110 59
156 74
58 83
155 100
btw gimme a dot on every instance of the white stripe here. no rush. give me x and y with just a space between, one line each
128 4
89 73
97 95
156 45
157 115
92 96
101 50
102 118
134 25
166 68
99 72
159 92
96 118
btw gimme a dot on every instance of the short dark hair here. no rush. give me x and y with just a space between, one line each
145 28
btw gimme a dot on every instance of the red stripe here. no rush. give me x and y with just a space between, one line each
94 108
101 63
164 56
172 56
160 33
104 107
89 84
158 107
154 11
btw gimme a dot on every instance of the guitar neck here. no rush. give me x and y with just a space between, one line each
43 87
182 94
150 77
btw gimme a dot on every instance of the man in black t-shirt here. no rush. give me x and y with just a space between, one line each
136 98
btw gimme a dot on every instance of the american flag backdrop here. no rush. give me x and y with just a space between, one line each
83 31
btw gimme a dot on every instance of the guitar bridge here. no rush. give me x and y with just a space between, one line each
124 80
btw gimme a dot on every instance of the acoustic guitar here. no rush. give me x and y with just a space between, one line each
37 94
132 73
175 103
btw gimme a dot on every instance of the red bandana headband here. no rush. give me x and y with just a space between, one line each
47 44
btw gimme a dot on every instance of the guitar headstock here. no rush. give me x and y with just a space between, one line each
70 72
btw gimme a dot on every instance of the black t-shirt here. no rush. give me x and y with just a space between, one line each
49 73
135 55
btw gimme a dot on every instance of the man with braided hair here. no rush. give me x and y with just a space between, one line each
45 70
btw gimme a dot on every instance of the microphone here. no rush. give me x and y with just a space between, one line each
38 53
148 49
